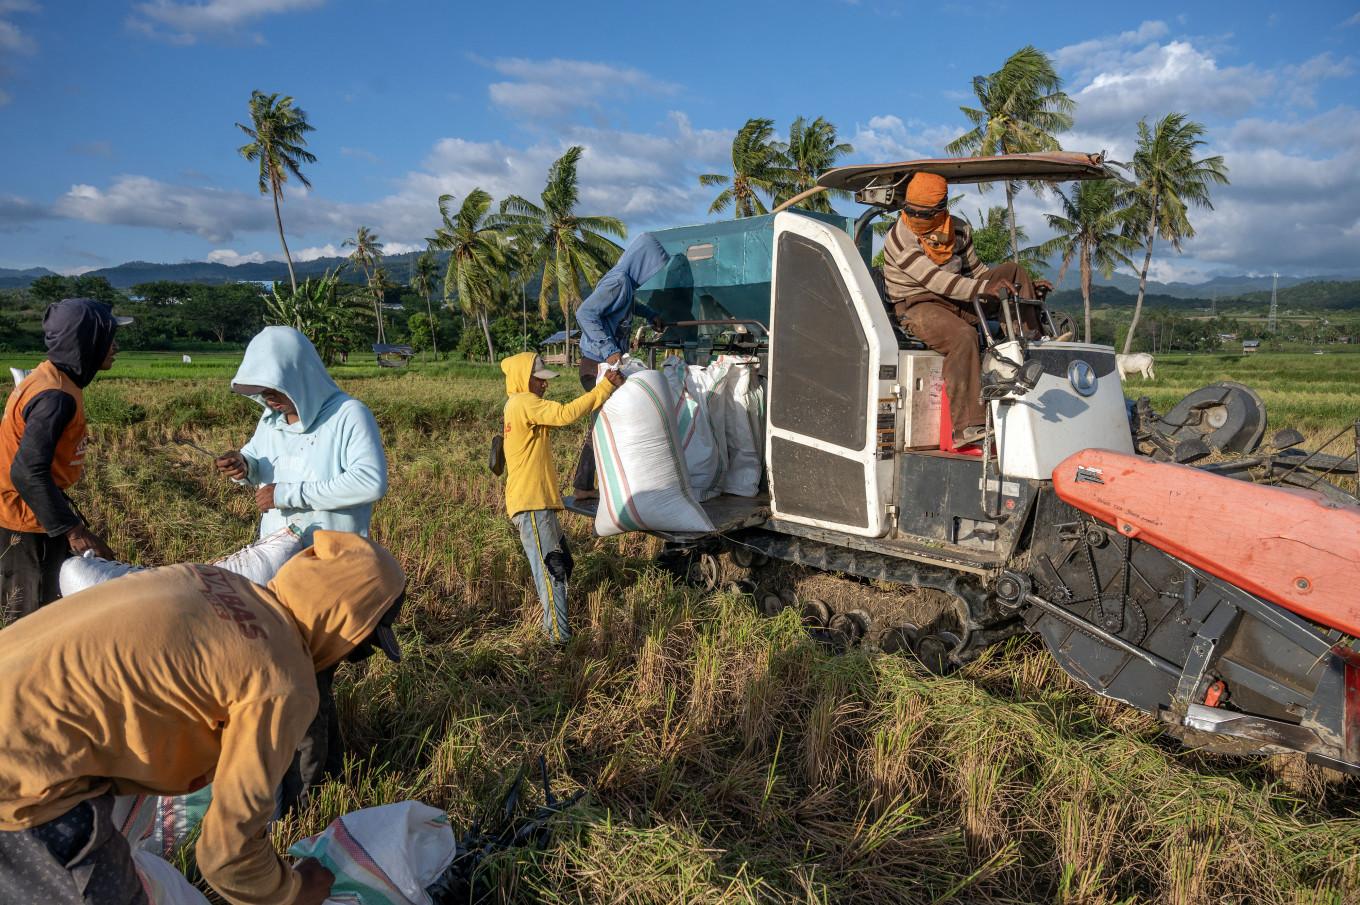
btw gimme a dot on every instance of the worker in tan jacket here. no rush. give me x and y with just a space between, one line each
161 682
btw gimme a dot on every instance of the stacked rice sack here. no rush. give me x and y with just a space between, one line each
668 440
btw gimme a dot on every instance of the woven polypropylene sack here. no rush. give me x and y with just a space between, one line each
643 482
162 883
741 414
259 562
693 427
386 855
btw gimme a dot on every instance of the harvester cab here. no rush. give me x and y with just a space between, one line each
1152 598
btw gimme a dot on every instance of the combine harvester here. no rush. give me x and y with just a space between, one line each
1226 608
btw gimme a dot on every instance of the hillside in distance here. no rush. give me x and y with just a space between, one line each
1329 294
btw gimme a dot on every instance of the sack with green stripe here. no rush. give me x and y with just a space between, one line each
640 463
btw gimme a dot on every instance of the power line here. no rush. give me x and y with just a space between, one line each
1274 324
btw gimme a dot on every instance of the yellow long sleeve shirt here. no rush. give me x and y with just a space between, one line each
530 477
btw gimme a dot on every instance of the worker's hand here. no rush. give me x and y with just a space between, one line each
995 291
613 359
232 464
316 882
658 324
1042 288
615 377
264 497
81 539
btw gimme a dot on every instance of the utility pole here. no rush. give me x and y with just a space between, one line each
1274 324
524 317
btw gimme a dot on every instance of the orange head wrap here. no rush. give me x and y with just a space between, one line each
928 194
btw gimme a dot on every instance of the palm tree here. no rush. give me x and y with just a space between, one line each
568 248
758 165
476 259
1168 180
422 281
1091 229
812 149
318 310
367 256
1021 107
277 133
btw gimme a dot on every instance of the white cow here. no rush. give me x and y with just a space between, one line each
1137 363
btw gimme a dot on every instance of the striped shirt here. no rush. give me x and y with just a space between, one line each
909 275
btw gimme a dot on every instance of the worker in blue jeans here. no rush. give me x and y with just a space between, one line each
532 497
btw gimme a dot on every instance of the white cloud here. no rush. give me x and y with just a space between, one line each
1162 77
1301 81
1097 53
214 214
1353 20
888 138
401 248
12 40
318 251
186 22
557 88
231 258
16 212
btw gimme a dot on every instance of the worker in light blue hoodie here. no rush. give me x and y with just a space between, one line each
605 319
316 461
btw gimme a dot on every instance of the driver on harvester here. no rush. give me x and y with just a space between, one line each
932 275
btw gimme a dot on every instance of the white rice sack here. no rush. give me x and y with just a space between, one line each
740 424
88 570
162 883
259 562
643 482
385 854
702 460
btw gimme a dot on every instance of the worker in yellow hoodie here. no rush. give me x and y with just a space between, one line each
531 494
159 683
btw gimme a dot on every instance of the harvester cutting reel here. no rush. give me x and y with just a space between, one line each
1222 668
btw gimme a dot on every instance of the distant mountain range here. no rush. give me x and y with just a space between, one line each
125 276
1329 294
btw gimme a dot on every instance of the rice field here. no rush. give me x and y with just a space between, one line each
725 756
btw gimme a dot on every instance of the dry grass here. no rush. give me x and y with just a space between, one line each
727 758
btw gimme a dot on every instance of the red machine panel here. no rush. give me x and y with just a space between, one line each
1295 548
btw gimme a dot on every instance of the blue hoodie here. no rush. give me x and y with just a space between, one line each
328 468
605 316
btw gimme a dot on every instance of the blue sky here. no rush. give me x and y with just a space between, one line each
118 138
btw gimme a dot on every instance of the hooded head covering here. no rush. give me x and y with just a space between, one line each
927 215
282 359
517 370
607 313
78 333
337 591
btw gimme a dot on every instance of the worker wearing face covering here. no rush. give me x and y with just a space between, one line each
158 683
42 454
605 318
316 461
932 275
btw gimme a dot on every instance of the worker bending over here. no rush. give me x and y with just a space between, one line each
605 318
531 490
316 460
158 683
932 275
42 454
